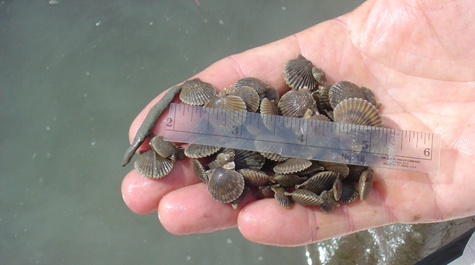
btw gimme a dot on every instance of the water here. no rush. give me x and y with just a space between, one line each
73 75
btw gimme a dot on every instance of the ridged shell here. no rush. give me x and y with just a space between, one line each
254 177
343 90
166 149
293 165
319 75
349 193
235 204
295 103
355 172
370 97
365 184
329 202
284 201
324 96
273 94
225 185
151 165
319 182
259 86
298 73
197 93
305 198
268 107
248 95
337 188
221 160
200 151
227 102
340 168
200 171
312 169
357 111
289 180
310 114
264 192
248 159
274 157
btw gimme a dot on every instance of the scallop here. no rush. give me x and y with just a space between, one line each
225 185
295 103
298 73
365 184
197 93
370 97
227 102
254 177
329 202
312 169
268 107
293 165
319 75
279 195
151 165
248 159
343 90
166 149
259 86
200 151
349 193
248 95
289 180
340 168
357 111
272 94
221 160
274 156
305 197
235 203
324 102
337 188
265 192
200 171
319 182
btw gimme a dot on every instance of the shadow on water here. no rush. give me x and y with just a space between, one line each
73 76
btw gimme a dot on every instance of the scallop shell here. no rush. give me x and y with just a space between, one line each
329 202
268 107
259 86
200 151
248 159
289 180
319 75
295 103
197 93
357 111
274 156
265 192
227 102
340 168
337 188
343 90
310 114
298 73
221 160
324 102
284 201
254 177
151 165
241 197
319 182
370 97
355 172
166 149
200 171
305 198
365 184
225 185
272 94
349 192
248 95
312 169
293 165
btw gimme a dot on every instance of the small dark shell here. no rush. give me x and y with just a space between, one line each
365 184
298 73
355 172
221 160
343 90
200 151
273 94
312 169
248 95
337 188
151 165
319 182
166 149
254 177
305 198
225 185
227 102
319 75
349 193
293 165
340 168
284 201
329 202
287 180
325 97
357 111
268 107
370 97
265 192
259 86
248 159
195 92
236 203
274 157
200 171
295 103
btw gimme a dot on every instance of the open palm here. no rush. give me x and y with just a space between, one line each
419 59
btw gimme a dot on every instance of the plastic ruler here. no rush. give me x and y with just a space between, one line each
304 138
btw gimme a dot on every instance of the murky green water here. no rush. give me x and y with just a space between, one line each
73 75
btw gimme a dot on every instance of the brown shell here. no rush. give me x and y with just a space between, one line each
259 86
324 96
272 94
254 177
225 185
343 90
151 165
166 149
227 102
310 114
195 92
268 107
248 159
200 151
284 201
274 156
298 73
265 192
236 202
312 169
221 160
289 180
248 95
337 188
305 198
370 97
295 103
329 202
293 165
340 168
319 182
349 192
365 184
355 172
319 75
200 171
357 111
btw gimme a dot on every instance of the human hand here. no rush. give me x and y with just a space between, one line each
417 57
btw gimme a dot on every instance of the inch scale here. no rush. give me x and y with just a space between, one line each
304 138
